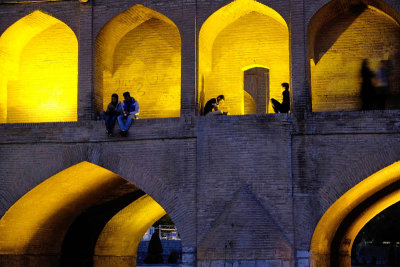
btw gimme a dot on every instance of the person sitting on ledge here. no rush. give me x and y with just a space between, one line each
130 111
111 114
212 106
283 107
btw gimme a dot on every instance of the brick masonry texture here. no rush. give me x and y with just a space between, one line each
243 190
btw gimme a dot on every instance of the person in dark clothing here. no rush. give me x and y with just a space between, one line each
130 111
212 106
367 89
283 107
111 114
382 86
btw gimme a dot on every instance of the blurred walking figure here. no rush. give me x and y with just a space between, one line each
283 107
367 89
382 86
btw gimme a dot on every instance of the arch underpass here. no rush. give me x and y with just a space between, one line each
336 231
82 214
120 238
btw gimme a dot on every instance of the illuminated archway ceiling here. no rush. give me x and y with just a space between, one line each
123 233
333 217
39 71
38 221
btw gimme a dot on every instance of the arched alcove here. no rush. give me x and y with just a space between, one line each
241 34
84 208
39 71
340 36
139 51
337 229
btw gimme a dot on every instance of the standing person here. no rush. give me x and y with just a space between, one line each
113 111
367 89
283 107
130 111
212 106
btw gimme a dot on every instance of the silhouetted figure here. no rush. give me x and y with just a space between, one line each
283 107
154 251
130 111
367 89
212 106
382 87
111 114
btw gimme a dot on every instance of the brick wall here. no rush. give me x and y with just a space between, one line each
339 49
245 190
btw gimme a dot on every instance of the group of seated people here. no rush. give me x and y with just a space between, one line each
127 111
212 106
124 112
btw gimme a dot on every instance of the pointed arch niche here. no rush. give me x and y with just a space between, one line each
337 229
139 51
239 35
38 71
340 36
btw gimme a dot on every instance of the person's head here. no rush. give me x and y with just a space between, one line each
364 64
127 96
220 98
285 85
114 98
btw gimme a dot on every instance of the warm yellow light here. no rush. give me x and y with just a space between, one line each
333 217
140 51
240 35
364 218
39 71
338 51
121 236
37 222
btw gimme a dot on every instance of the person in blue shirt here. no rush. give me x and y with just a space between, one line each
129 112
113 111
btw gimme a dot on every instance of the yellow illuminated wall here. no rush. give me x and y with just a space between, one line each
38 71
329 223
338 50
140 51
37 223
240 35
118 242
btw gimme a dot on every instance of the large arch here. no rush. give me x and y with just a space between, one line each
39 71
340 36
34 228
239 35
335 232
139 51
